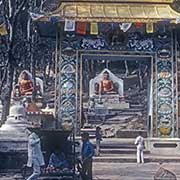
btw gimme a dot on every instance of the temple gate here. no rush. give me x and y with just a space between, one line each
158 43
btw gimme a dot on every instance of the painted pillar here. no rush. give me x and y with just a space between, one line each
165 92
67 82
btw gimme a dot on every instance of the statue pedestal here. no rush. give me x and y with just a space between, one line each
163 146
110 98
110 102
120 106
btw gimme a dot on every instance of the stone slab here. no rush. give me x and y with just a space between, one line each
163 146
131 171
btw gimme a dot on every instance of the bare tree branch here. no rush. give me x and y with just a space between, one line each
23 3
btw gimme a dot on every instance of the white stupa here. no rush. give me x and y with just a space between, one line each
12 133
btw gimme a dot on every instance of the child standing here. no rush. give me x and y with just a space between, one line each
98 140
139 142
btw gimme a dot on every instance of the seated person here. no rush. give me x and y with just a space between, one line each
106 85
57 160
26 84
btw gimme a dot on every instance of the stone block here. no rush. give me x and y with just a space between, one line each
163 146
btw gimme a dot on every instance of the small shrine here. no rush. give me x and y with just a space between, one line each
108 95
13 138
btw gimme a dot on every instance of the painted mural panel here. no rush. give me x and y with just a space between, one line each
165 104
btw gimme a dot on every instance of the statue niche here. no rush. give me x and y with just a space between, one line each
106 83
25 85
106 91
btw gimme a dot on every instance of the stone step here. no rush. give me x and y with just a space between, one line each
118 151
131 133
137 106
127 133
121 122
130 113
115 147
120 116
131 158
115 142
131 109
116 120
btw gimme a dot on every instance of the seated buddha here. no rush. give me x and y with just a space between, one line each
106 86
26 84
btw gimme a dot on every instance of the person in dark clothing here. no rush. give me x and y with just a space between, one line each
58 160
98 140
87 157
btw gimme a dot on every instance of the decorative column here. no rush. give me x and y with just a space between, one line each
165 119
67 83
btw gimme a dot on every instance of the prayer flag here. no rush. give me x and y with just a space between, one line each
138 24
177 20
94 28
81 28
125 26
3 30
149 28
69 25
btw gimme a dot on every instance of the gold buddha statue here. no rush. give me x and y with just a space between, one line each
26 84
106 86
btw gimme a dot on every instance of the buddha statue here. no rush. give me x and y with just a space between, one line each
26 84
106 86
105 93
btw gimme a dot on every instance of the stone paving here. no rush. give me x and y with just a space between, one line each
118 171
131 171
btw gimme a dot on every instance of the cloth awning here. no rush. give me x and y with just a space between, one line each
114 12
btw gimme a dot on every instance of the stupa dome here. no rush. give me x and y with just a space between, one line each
17 110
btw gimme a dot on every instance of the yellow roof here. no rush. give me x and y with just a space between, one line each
116 12
122 1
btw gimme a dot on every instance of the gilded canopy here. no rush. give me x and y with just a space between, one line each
115 11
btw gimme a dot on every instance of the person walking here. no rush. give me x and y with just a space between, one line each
139 142
35 156
87 157
98 140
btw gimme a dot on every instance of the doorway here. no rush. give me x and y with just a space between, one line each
129 105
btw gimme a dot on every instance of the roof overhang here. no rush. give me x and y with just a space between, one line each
121 1
115 11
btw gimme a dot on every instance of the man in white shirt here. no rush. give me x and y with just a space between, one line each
35 156
139 142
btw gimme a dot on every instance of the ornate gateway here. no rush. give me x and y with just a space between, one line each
159 46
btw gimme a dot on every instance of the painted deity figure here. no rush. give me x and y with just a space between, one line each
106 86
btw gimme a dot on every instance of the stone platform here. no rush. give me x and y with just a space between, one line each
164 146
131 171
114 171
123 150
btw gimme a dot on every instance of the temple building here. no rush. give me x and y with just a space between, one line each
117 65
